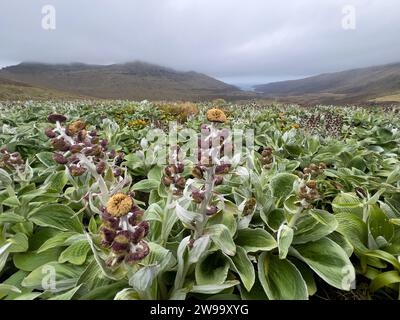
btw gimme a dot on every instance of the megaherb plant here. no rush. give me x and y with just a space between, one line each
88 210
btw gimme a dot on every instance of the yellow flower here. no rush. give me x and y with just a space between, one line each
216 115
119 205
75 127
137 123
295 126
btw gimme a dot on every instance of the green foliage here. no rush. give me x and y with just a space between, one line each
270 236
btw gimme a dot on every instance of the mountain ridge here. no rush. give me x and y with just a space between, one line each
132 80
361 84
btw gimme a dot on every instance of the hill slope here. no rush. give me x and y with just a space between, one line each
136 80
14 90
342 87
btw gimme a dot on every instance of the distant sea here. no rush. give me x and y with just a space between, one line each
247 83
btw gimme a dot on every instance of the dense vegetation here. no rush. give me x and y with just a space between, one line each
91 209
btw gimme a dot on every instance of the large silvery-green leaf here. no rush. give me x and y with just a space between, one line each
227 217
347 202
253 240
56 181
214 288
75 253
158 260
56 241
212 269
379 224
200 246
188 217
4 255
67 295
328 260
146 185
222 238
241 264
385 279
6 217
280 279
29 261
354 230
19 243
53 276
285 238
314 226
56 216
5 289
46 158
282 184
5 177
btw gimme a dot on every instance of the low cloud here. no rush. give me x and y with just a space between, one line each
224 38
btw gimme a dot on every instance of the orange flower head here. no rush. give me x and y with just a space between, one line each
216 115
75 127
119 205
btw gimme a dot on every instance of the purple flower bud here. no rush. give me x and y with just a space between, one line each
74 159
81 135
198 172
146 227
104 143
112 154
180 183
76 171
76 148
267 152
211 210
198 196
122 241
56 117
180 167
166 181
191 243
138 234
223 168
60 144
118 247
140 252
95 140
49 133
170 170
218 180
119 158
360 192
137 214
60 159
100 167
107 236
117 172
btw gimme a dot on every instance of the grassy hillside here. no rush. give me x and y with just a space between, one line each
395 98
134 81
13 90
340 87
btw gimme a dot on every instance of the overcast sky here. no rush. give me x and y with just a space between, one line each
229 39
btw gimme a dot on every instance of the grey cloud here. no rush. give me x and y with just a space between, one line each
224 38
